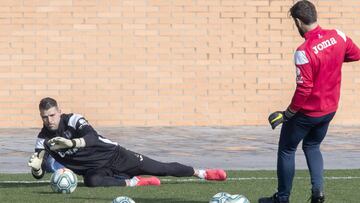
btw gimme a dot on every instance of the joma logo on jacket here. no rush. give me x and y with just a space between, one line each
324 44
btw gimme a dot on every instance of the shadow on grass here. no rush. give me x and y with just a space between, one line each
27 185
46 193
22 185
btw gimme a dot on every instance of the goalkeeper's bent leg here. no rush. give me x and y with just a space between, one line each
103 178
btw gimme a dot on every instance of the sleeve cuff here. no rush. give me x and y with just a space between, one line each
78 142
38 174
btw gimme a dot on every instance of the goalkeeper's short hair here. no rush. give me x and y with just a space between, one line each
47 103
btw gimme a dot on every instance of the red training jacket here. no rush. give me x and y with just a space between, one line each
318 64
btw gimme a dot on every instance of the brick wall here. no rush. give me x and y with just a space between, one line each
160 62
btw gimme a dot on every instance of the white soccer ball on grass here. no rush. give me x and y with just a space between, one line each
237 199
123 199
63 181
220 197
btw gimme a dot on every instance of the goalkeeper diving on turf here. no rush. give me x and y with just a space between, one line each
74 144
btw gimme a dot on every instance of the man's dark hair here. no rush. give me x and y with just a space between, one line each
305 11
47 103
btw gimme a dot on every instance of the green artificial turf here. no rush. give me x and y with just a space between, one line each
341 186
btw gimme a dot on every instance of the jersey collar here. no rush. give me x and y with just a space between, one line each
312 32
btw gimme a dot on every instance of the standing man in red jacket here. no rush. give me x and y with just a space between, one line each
318 64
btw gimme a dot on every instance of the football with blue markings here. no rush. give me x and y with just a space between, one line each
63 181
123 199
237 199
220 197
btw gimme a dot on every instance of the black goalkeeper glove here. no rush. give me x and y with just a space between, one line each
279 117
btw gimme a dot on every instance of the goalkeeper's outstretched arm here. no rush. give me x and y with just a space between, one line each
58 143
35 162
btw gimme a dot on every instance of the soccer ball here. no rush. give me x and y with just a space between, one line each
63 181
237 199
220 197
123 199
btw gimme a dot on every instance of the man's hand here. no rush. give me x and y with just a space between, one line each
279 117
57 143
35 160
35 163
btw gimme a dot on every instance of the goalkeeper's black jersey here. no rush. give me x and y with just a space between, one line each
99 152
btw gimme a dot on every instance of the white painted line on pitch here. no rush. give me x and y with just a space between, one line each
192 179
257 178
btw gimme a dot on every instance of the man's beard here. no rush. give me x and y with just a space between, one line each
301 32
51 129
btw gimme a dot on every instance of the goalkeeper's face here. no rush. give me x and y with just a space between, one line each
51 118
